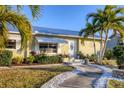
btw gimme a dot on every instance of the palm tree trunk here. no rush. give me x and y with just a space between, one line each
95 52
104 47
101 46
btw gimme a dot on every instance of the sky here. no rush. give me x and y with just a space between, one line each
64 17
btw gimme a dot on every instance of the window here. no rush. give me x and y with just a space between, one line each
48 48
11 44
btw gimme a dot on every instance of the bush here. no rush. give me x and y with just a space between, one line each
5 57
109 54
17 60
44 59
30 59
80 55
92 57
110 63
118 52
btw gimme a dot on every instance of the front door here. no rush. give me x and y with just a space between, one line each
71 48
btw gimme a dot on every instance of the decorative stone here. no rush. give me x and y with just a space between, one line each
118 73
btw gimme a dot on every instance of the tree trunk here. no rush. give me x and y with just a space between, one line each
104 47
95 52
101 46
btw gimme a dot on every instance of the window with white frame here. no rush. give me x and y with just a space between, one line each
48 47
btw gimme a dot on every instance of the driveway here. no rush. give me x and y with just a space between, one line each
85 79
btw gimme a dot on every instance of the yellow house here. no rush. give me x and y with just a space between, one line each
52 42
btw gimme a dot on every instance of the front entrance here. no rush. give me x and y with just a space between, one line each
72 48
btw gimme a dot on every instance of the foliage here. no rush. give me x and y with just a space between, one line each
92 57
115 84
17 21
80 55
29 78
30 59
109 54
5 57
118 52
17 60
110 63
110 19
44 59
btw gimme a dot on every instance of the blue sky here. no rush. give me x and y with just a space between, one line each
63 17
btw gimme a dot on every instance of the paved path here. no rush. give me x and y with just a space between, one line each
85 79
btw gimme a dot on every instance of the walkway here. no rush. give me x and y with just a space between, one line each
85 79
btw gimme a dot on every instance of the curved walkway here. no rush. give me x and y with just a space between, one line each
85 79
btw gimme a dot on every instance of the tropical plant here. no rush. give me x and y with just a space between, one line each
110 19
109 54
5 57
17 60
17 20
118 52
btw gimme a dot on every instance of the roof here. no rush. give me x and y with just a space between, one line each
53 31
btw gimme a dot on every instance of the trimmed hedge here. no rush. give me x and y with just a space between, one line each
5 57
44 59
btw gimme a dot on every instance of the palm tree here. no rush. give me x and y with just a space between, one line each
90 30
9 17
110 19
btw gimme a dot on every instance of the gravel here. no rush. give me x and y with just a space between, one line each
54 82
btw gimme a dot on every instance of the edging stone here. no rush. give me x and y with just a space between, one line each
54 82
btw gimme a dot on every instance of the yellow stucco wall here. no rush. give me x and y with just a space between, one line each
64 48
87 47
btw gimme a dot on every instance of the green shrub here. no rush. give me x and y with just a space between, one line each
80 55
44 59
109 54
30 59
118 52
17 60
5 57
92 57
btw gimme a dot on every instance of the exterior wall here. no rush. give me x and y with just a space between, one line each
17 51
63 48
87 47
112 43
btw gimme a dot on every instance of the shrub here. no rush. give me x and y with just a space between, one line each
30 59
92 57
44 59
109 54
17 60
111 63
33 53
5 57
118 52
80 55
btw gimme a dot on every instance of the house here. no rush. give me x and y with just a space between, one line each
114 41
52 42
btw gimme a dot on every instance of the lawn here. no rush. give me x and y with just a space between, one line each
115 84
29 78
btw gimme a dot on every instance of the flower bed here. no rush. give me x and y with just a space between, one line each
115 84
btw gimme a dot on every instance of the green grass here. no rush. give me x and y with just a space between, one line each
29 78
115 84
